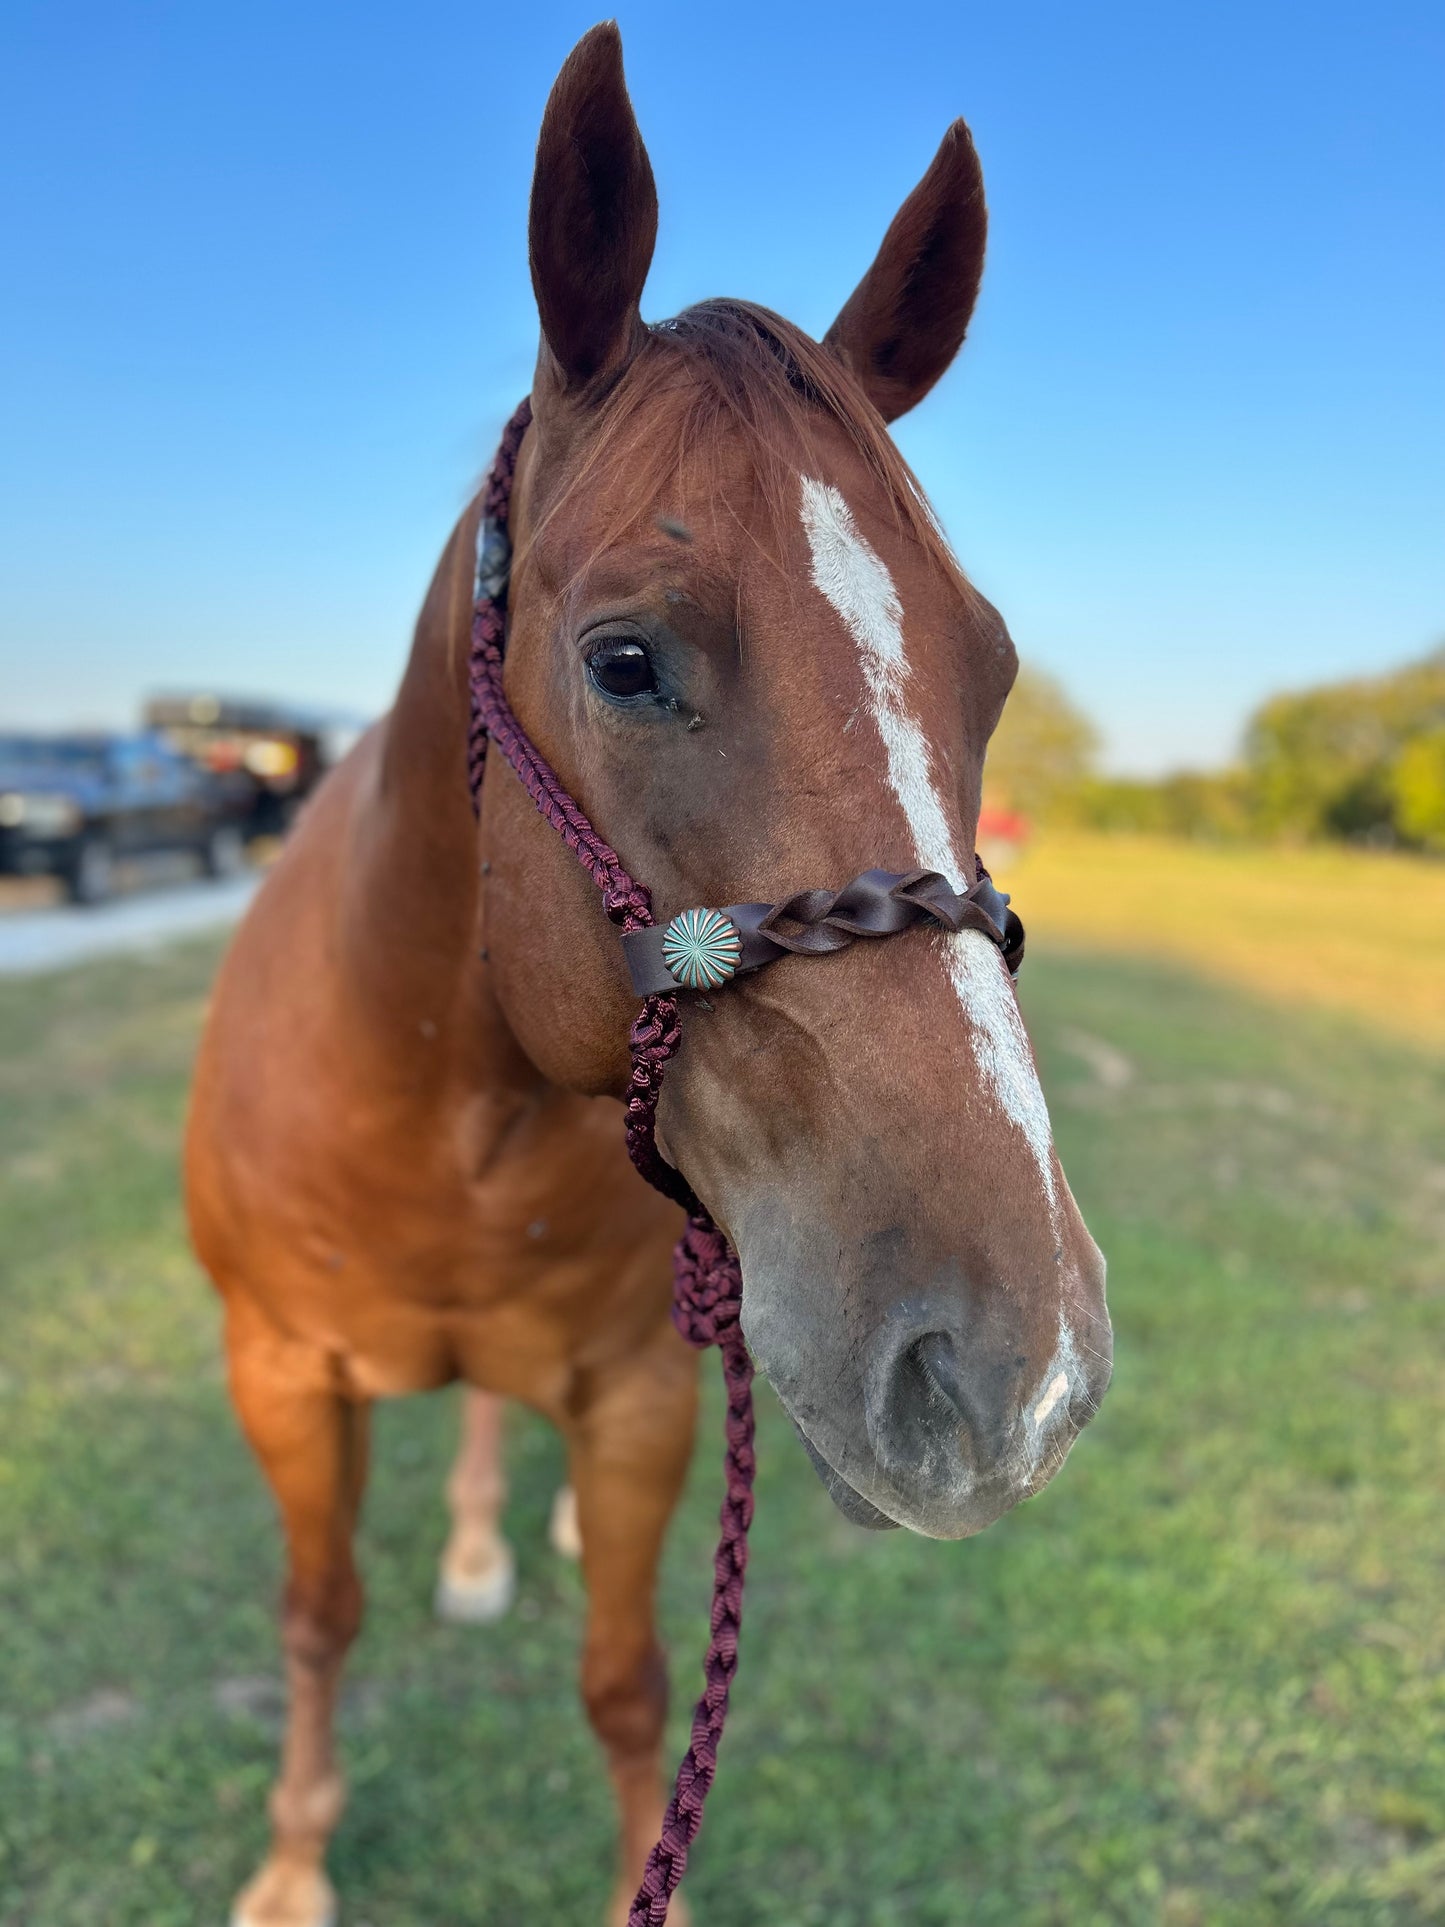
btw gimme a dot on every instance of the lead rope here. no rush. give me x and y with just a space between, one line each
707 1281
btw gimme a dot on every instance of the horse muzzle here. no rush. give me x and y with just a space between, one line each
928 1426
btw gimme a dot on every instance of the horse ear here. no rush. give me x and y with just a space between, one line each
594 216
906 319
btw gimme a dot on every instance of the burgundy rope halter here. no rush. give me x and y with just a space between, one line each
699 949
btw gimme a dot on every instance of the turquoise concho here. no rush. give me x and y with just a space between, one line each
702 948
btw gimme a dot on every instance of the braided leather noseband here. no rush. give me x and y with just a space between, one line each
700 949
813 923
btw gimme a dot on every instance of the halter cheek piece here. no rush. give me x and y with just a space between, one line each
700 949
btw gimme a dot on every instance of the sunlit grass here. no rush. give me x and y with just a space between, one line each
1326 927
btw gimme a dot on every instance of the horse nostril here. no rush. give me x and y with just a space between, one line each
935 1358
922 1412
933 1411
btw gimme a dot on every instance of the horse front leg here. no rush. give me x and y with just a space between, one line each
629 1455
312 1445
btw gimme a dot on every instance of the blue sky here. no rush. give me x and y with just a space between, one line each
268 305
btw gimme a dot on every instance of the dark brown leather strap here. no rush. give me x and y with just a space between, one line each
814 923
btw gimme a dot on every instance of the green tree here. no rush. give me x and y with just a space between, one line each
1326 761
1418 789
1212 805
1041 752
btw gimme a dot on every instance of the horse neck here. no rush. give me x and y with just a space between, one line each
423 772
409 887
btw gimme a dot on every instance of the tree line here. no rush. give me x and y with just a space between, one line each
1362 760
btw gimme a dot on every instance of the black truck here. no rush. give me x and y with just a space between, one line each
75 806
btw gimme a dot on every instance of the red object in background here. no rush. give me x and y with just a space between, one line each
1003 826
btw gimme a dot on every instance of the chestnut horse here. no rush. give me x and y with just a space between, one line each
738 635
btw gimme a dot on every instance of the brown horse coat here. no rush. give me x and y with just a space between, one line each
740 639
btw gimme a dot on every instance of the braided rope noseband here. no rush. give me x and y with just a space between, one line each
700 949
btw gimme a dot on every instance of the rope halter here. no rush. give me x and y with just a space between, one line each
701 948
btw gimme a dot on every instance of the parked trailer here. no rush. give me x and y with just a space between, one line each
269 755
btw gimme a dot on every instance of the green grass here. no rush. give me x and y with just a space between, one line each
1197 1681
1326 926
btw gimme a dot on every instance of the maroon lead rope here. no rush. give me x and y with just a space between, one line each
707 1281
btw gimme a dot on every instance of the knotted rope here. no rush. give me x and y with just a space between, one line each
707 1280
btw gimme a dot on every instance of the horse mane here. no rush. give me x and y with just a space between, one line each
733 369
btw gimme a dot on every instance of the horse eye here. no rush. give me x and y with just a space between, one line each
621 668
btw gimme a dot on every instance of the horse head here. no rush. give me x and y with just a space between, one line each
738 634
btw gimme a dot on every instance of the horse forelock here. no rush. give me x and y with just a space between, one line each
723 379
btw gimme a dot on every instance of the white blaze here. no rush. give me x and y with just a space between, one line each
1051 1397
856 582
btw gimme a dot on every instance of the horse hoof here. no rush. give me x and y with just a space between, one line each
563 1530
280 1897
478 1599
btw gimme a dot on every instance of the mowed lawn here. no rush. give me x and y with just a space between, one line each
1325 927
1199 1680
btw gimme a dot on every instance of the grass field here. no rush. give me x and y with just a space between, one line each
1198 1682
1326 927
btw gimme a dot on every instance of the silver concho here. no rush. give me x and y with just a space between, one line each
702 949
